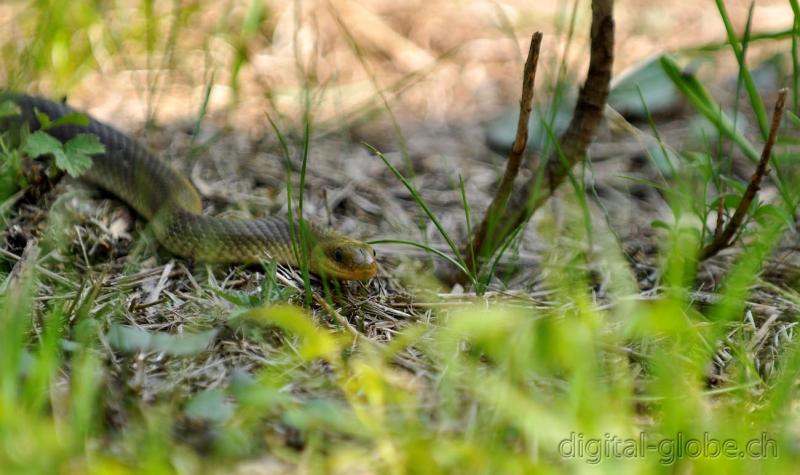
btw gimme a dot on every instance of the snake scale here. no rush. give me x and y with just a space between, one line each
173 206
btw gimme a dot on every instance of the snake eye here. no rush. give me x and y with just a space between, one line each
374 254
337 255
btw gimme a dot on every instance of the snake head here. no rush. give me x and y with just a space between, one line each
344 259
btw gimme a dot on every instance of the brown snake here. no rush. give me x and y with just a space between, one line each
173 207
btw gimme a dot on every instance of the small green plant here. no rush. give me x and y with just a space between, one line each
72 156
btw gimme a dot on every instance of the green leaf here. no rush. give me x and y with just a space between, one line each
76 164
184 343
41 143
8 109
211 405
86 144
737 185
44 119
76 118
130 339
657 223
764 213
76 159
729 200
319 414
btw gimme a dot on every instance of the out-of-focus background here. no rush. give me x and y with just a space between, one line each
434 60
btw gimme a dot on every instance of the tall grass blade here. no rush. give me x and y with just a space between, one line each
422 204
739 50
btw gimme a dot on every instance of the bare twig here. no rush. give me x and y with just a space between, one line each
498 206
588 113
720 219
724 238
573 143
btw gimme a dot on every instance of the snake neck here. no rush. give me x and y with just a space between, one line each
211 239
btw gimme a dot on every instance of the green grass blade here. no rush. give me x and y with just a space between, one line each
455 262
739 50
700 99
304 232
715 46
422 204
296 248
661 145
795 61
467 211
202 113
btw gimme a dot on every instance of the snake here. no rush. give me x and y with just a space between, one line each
173 206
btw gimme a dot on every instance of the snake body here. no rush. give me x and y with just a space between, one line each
173 206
